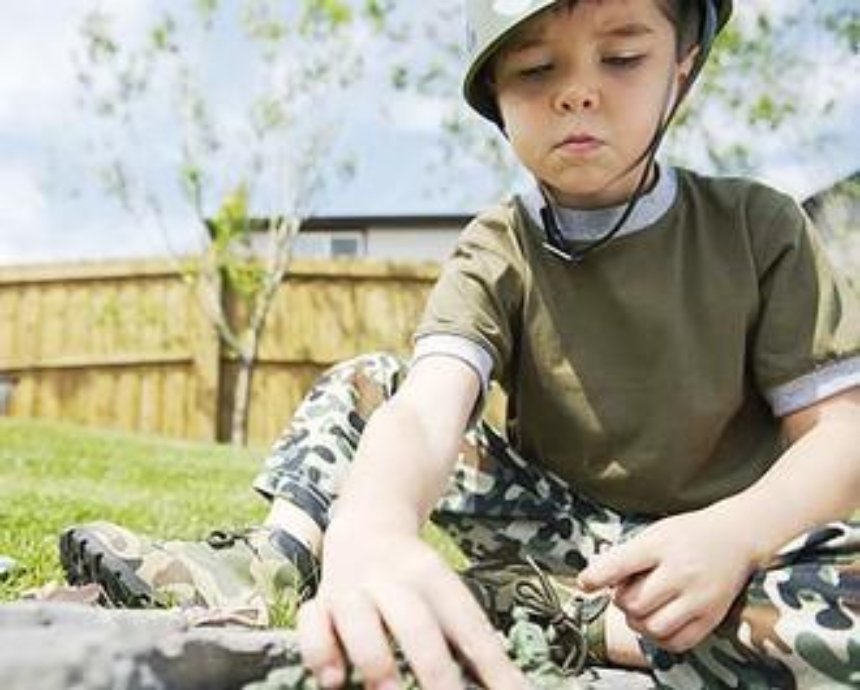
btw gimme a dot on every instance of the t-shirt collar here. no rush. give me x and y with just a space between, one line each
592 224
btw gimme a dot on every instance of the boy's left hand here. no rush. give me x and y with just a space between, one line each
676 580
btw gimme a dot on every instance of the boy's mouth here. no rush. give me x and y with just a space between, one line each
580 143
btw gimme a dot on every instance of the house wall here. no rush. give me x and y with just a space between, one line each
411 243
389 243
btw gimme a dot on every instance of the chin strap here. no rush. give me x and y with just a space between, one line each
555 242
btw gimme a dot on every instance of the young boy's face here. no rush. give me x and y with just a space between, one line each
582 91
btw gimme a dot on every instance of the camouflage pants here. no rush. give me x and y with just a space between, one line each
797 624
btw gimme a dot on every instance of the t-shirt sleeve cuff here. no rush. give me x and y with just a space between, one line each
467 351
811 388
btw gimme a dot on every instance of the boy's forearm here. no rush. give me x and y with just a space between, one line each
398 474
816 480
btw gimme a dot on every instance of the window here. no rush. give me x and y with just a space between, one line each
347 246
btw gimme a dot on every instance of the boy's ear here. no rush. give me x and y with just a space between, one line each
685 68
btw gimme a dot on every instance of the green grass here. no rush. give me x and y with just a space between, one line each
54 475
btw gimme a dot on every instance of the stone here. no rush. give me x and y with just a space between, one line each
7 567
59 645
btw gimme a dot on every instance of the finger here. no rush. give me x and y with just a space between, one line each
318 644
420 637
687 637
618 563
364 640
643 594
666 621
469 630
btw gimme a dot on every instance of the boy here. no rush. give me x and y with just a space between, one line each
682 368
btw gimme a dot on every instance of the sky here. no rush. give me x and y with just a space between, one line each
52 207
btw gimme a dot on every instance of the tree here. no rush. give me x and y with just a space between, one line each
240 96
776 75
836 211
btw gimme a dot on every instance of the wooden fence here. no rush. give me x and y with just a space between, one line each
125 345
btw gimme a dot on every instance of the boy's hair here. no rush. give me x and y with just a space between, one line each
686 17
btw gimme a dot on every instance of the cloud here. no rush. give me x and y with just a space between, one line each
37 76
416 113
25 217
30 93
36 226
804 171
22 203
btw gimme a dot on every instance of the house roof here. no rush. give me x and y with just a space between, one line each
429 221
393 222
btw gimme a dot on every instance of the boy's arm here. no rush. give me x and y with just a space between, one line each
379 579
676 580
817 479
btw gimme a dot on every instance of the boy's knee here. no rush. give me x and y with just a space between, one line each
380 360
380 370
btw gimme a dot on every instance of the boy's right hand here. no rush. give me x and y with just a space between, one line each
390 585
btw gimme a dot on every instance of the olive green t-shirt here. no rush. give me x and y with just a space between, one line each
641 375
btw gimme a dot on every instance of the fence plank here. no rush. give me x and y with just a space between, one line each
8 302
125 344
203 422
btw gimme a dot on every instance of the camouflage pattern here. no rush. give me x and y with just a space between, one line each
240 574
523 600
527 646
796 625
542 676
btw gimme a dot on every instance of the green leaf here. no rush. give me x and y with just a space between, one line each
206 10
324 15
163 35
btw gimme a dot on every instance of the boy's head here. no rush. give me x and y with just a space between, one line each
491 23
583 88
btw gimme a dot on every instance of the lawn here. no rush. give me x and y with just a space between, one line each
54 475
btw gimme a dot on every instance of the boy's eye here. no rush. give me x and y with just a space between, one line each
535 71
623 61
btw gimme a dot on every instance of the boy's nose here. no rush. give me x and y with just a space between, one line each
576 97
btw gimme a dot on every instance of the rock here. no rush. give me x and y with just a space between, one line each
7 567
57 645
616 679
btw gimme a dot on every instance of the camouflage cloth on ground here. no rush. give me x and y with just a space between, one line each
797 624
528 649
